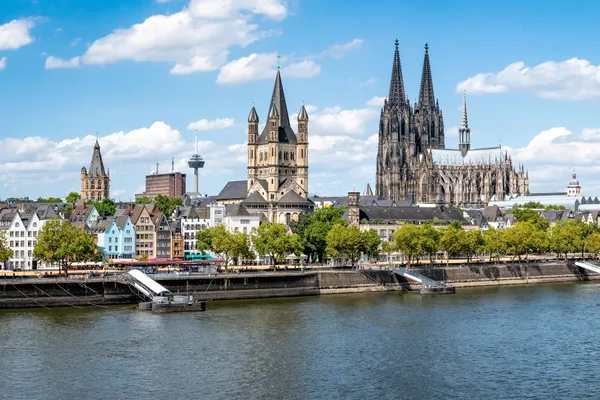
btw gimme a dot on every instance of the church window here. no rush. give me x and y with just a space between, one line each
432 129
288 218
272 152
251 153
292 156
402 128
285 155
301 181
272 197
260 157
280 154
271 181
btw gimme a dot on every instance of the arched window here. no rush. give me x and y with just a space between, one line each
292 156
432 129
35 224
260 157
280 154
251 153
288 218
272 152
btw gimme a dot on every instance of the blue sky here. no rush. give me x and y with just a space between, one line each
145 73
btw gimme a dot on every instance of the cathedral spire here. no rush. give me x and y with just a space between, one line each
464 123
278 107
96 165
426 96
396 95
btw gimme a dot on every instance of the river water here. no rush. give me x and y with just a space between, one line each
536 342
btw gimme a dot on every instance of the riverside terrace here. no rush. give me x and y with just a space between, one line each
113 289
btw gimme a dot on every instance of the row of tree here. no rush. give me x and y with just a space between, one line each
520 240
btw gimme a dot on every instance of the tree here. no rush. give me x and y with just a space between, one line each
72 197
452 241
313 229
407 240
167 204
144 200
204 240
273 240
5 251
49 200
105 208
472 244
60 242
566 237
493 243
592 244
345 241
429 239
388 248
523 238
370 243
528 212
553 207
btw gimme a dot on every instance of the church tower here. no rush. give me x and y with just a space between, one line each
397 141
278 162
429 122
95 182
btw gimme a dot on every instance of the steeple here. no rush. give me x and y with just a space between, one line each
464 133
426 95
396 95
303 115
278 105
253 117
96 165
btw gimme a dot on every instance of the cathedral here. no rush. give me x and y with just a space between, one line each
412 159
95 182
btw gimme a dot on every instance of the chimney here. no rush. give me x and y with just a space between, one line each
172 164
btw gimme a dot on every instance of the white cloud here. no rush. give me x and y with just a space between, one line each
574 79
337 51
376 101
338 121
207 125
257 67
368 82
75 42
16 33
3 63
56 63
197 38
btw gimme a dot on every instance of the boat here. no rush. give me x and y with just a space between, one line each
176 303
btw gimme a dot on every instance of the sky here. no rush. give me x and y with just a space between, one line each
143 75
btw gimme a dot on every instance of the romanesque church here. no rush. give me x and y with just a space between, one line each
277 184
412 159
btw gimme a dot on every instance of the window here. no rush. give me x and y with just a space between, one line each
288 218
35 224
29 234
116 248
244 221
17 224
109 248
12 234
109 240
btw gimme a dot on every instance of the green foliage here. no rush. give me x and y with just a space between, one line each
429 239
453 240
143 258
407 241
225 244
472 243
144 200
5 251
370 243
273 240
388 248
592 244
49 200
313 229
72 197
167 204
523 238
105 208
346 241
494 242
566 237
204 240
60 242
552 207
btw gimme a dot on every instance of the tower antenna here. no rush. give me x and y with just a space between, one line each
196 141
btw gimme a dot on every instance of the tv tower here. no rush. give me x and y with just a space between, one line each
196 162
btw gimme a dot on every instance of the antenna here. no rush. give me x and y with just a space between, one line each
172 164
156 168
278 63
196 141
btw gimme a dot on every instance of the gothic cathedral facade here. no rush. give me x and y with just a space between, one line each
95 182
278 162
412 159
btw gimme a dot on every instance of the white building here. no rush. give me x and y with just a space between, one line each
21 231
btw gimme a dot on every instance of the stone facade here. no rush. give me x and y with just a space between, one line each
412 159
277 184
95 182
171 184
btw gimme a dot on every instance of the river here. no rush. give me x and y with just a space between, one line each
533 342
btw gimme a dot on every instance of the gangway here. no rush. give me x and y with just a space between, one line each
589 266
428 285
146 285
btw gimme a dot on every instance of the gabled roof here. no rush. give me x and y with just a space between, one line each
233 190
236 210
121 221
293 197
411 214
368 191
254 198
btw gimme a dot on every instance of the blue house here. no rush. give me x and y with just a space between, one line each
116 237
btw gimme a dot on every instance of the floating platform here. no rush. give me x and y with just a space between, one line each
438 290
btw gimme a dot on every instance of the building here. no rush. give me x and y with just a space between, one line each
386 219
571 199
95 182
412 158
145 230
21 230
116 237
163 235
171 184
191 220
177 242
277 183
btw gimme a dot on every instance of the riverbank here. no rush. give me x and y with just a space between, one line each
62 292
